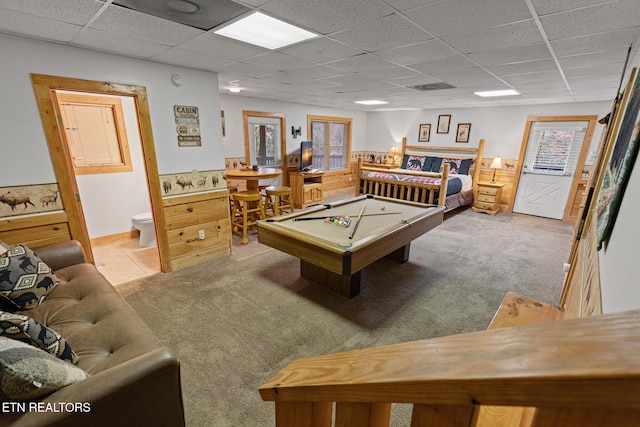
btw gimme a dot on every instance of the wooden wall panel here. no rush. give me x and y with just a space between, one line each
186 216
36 230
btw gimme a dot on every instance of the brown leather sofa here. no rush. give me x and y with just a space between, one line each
135 380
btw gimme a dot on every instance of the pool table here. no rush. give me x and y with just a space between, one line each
333 254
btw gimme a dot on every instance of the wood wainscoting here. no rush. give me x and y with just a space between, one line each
186 216
35 230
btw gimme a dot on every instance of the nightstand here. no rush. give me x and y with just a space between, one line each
488 200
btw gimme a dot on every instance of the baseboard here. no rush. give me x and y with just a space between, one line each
113 238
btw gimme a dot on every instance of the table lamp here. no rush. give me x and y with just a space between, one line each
495 165
394 154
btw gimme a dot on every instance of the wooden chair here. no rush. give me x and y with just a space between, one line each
247 209
277 200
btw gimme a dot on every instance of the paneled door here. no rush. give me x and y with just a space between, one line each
553 159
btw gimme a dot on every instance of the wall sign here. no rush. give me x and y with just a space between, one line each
187 125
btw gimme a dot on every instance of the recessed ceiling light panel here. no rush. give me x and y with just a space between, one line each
371 102
263 30
491 93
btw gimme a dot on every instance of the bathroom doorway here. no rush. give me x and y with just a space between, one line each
46 88
104 143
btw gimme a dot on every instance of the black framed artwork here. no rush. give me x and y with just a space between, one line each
444 120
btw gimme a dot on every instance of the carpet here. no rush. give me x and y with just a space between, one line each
235 321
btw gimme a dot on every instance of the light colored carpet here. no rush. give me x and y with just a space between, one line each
236 320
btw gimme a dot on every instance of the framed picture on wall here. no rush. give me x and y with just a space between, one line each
615 176
424 132
462 134
443 123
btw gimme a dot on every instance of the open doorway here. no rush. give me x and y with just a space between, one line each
265 142
104 143
46 88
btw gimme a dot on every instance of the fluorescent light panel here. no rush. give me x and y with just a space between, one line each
490 93
265 31
371 102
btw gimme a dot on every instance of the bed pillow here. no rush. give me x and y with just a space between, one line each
457 166
428 163
23 328
436 165
415 163
25 280
29 373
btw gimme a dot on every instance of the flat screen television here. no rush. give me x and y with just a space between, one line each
306 155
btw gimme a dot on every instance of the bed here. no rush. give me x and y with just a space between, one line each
446 176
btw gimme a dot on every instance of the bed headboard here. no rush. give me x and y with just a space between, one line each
449 152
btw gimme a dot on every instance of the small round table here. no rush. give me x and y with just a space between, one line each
252 177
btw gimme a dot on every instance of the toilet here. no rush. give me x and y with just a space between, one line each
144 223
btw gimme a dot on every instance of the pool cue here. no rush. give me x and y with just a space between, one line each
355 227
308 218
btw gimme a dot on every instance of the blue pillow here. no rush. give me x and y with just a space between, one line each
435 165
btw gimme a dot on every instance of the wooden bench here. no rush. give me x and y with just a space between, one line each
515 310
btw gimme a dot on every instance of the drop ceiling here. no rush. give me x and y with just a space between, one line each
551 51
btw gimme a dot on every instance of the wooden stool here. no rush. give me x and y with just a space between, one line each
232 189
247 209
281 200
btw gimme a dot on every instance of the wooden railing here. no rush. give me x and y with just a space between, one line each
577 372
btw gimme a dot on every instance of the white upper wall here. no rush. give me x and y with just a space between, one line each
296 116
24 148
501 127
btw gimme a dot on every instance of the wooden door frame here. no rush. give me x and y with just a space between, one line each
283 139
581 159
44 87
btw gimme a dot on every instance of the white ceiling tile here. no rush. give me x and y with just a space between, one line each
510 35
460 16
444 66
189 59
403 5
328 16
34 26
511 55
389 73
594 71
361 63
597 42
523 67
383 33
546 7
322 49
430 50
244 70
278 61
606 17
593 59
117 43
137 25
220 46
69 11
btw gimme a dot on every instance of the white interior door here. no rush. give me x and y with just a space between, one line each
264 145
548 169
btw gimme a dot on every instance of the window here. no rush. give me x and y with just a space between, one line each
95 131
331 138
557 148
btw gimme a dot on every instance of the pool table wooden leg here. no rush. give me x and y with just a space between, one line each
400 255
347 286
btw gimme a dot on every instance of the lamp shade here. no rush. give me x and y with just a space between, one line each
496 164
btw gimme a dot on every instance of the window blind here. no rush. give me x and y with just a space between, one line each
556 148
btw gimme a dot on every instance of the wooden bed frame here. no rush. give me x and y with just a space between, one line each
419 192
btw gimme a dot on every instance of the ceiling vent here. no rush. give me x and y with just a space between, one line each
202 14
432 86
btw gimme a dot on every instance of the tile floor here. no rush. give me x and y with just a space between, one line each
123 261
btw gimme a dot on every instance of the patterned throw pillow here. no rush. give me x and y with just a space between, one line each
27 373
457 166
24 279
30 331
415 163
